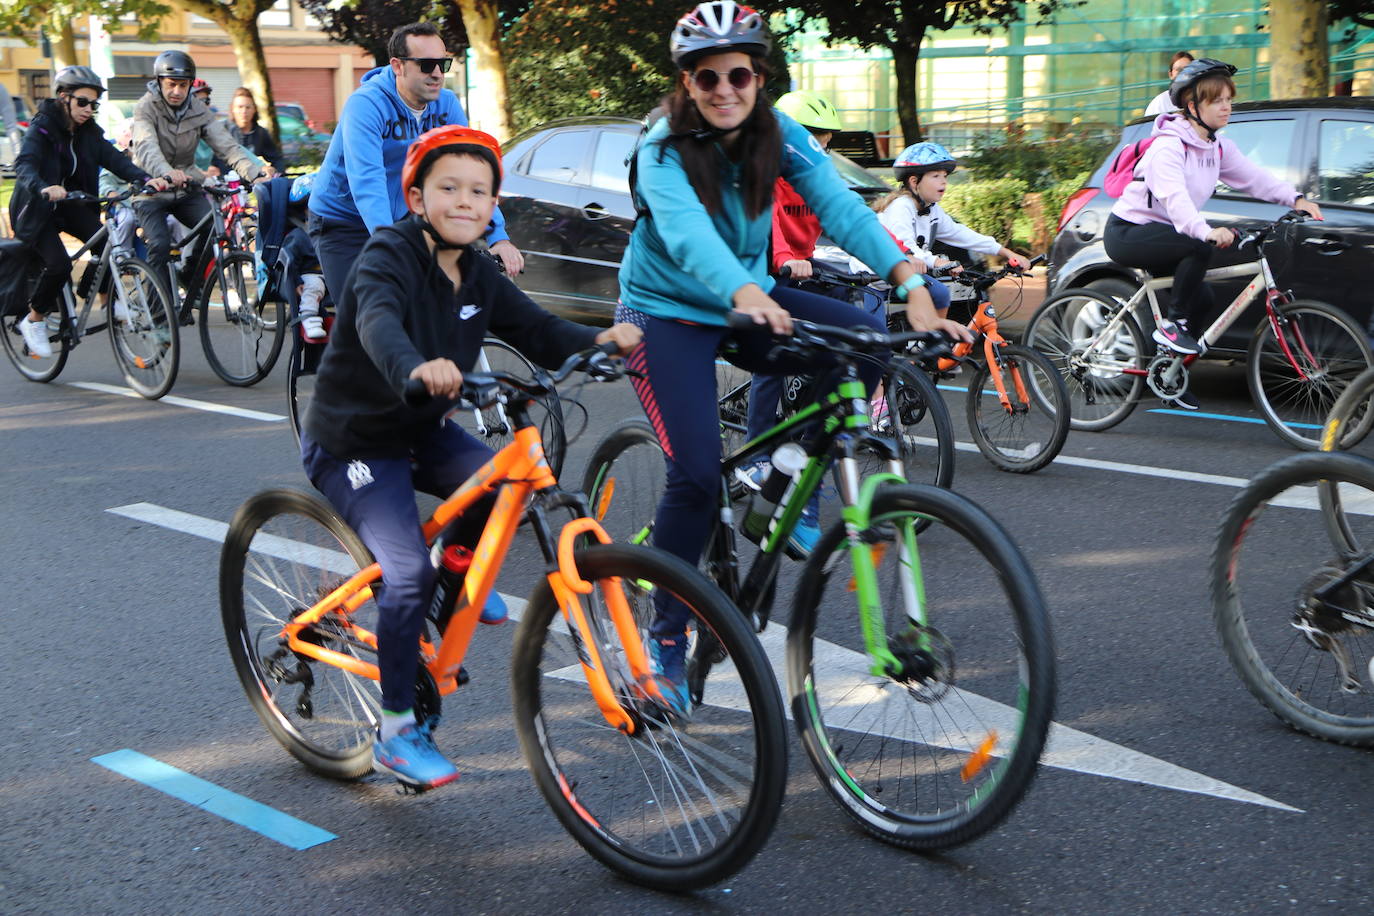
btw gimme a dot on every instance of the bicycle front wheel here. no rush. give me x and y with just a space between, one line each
147 344
241 335
1104 383
493 427
624 481
1351 416
911 411
1297 376
677 805
1027 432
1293 594
934 745
285 551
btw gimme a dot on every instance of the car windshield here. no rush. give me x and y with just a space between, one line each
855 175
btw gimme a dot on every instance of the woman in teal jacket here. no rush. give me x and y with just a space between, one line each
705 175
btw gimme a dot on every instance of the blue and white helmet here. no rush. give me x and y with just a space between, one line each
302 186
920 158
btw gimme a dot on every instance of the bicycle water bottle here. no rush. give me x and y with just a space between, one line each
453 567
768 503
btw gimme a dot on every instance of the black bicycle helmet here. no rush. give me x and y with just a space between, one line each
176 65
718 25
69 79
1195 71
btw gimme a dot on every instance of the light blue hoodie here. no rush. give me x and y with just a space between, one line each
685 263
360 180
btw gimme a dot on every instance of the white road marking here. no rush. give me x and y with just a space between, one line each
1067 748
209 406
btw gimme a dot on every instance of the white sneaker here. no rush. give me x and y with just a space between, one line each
36 337
232 303
312 326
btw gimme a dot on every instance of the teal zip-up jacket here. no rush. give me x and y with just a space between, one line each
687 264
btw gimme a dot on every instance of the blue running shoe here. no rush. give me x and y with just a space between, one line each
412 758
669 659
807 531
495 610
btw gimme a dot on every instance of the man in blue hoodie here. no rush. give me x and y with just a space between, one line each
358 189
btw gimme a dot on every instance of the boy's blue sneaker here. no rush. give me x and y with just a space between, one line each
807 530
412 758
668 656
495 610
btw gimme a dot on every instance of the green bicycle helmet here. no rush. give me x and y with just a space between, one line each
809 110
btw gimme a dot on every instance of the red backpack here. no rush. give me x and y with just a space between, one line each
1122 171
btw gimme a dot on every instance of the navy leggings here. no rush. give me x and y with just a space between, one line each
376 496
678 392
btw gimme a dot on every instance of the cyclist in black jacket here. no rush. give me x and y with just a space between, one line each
417 304
64 150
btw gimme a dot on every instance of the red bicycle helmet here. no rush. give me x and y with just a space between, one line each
466 139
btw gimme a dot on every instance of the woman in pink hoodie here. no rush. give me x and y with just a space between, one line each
1156 225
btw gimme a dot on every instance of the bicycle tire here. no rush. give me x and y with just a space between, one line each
624 481
1286 648
1026 436
862 731
300 385
1100 396
718 779
147 346
918 419
1352 416
1331 351
241 335
492 426
32 367
304 550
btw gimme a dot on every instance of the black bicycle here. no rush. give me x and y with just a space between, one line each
143 333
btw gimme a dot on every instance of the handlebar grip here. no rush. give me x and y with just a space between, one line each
738 321
415 394
784 272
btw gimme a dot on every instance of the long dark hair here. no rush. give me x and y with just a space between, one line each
759 149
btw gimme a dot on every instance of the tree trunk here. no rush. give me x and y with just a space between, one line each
1298 49
252 63
490 102
63 41
905 55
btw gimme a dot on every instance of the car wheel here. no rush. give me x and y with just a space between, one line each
1117 288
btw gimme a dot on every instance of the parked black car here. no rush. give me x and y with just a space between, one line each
1324 147
566 199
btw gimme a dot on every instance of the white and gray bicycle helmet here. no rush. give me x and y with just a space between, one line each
719 25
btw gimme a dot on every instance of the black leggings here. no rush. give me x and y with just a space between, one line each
79 220
1160 250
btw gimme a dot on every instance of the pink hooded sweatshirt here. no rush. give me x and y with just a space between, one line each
1181 171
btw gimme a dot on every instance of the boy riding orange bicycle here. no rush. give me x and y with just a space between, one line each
417 306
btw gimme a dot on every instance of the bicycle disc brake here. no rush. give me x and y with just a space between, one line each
1321 622
927 660
1167 376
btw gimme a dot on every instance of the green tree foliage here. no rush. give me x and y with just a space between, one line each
20 19
369 23
989 207
239 20
901 25
606 58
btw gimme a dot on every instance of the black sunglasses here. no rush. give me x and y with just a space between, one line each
427 64
708 80
92 104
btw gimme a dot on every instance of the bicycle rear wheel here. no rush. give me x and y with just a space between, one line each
493 426
624 481
1027 433
1304 524
676 805
241 334
1101 393
1351 416
285 551
300 383
147 346
33 367
940 750
1296 379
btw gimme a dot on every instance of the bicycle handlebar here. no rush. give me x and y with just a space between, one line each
981 280
76 197
483 389
808 336
1261 235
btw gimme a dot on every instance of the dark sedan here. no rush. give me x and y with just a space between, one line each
1323 147
566 199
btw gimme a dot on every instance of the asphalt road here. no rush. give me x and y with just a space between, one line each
113 641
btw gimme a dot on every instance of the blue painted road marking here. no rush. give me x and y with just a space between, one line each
245 812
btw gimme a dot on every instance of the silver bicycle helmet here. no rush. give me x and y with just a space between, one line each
719 25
